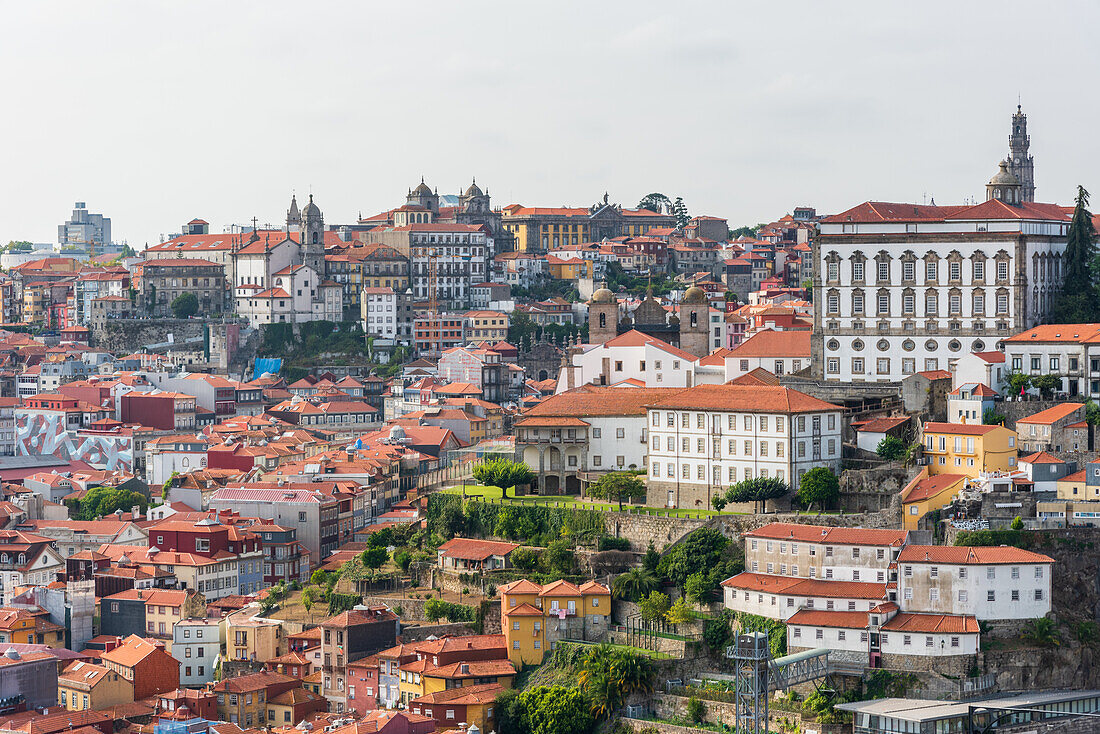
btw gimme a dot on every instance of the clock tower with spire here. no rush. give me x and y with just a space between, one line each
1020 163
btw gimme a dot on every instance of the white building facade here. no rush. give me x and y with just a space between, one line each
706 438
197 644
904 288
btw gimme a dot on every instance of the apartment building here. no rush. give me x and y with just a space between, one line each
969 449
84 685
348 637
1071 351
197 644
1051 429
711 436
534 617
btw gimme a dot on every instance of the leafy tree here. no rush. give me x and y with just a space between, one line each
1042 631
679 212
525 559
1092 412
402 559
609 675
696 710
309 595
699 587
1019 382
717 633
680 612
912 453
617 486
819 487
503 473
185 305
655 202
890 448
103 501
558 557
1047 385
757 490
1017 523
514 524
745 231
1079 301
651 558
704 551
507 712
991 417
655 606
635 584
374 558
319 577
553 710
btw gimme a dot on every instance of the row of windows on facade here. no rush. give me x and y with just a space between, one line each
448 239
884 637
909 304
763 449
763 421
1051 267
857 553
882 365
880 576
716 472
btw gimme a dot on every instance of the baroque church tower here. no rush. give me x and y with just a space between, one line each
1020 163
312 238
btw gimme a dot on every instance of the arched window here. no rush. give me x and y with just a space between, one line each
694 319
603 321
315 238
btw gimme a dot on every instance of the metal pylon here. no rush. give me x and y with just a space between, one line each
750 655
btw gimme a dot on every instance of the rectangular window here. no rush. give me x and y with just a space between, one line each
908 270
1002 270
930 270
979 270
954 271
884 271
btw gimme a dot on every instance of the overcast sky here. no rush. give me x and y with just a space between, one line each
156 112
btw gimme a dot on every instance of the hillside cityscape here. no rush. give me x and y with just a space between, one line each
592 461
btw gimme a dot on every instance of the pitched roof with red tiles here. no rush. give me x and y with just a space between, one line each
591 400
882 425
976 389
472 549
523 610
949 624
962 429
1061 333
771 343
825 618
806 587
1041 457
835 536
923 488
744 398
964 555
1053 414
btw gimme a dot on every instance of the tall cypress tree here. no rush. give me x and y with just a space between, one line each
1079 301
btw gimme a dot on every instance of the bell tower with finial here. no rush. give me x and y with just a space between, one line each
1020 163
312 238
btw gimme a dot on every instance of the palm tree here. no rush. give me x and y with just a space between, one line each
634 584
610 675
633 673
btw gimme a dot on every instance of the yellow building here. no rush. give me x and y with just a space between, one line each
470 704
928 492
486 325
539 229
421 678
535 617
87 686
250 637
963 448
569 268
1073 488
30 627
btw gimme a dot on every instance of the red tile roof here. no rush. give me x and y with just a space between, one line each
963 555
882 425
1053 414
475 550
770 343
1074 333
806 587
825 618
835 536
744 398
923 488
932 623
1041 457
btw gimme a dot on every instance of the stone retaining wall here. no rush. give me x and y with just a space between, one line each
420 632
666 706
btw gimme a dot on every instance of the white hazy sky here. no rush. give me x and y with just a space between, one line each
157 112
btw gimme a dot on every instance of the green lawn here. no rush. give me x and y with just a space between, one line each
572 501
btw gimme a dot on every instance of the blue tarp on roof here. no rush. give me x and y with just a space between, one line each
267 364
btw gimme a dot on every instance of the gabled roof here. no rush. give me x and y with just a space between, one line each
635 338
771 343
976 389
1041 457
963 555
792 586
475 550
744 398
923 488
1053 414
932 623
821 534
882 425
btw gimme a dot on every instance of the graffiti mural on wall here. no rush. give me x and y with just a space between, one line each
46 434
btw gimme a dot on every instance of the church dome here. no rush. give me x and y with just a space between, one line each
423 189
603 295
1003 177
473 190
695 294
397 433
311 209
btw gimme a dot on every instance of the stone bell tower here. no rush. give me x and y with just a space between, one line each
1020 163
695 322
603 317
